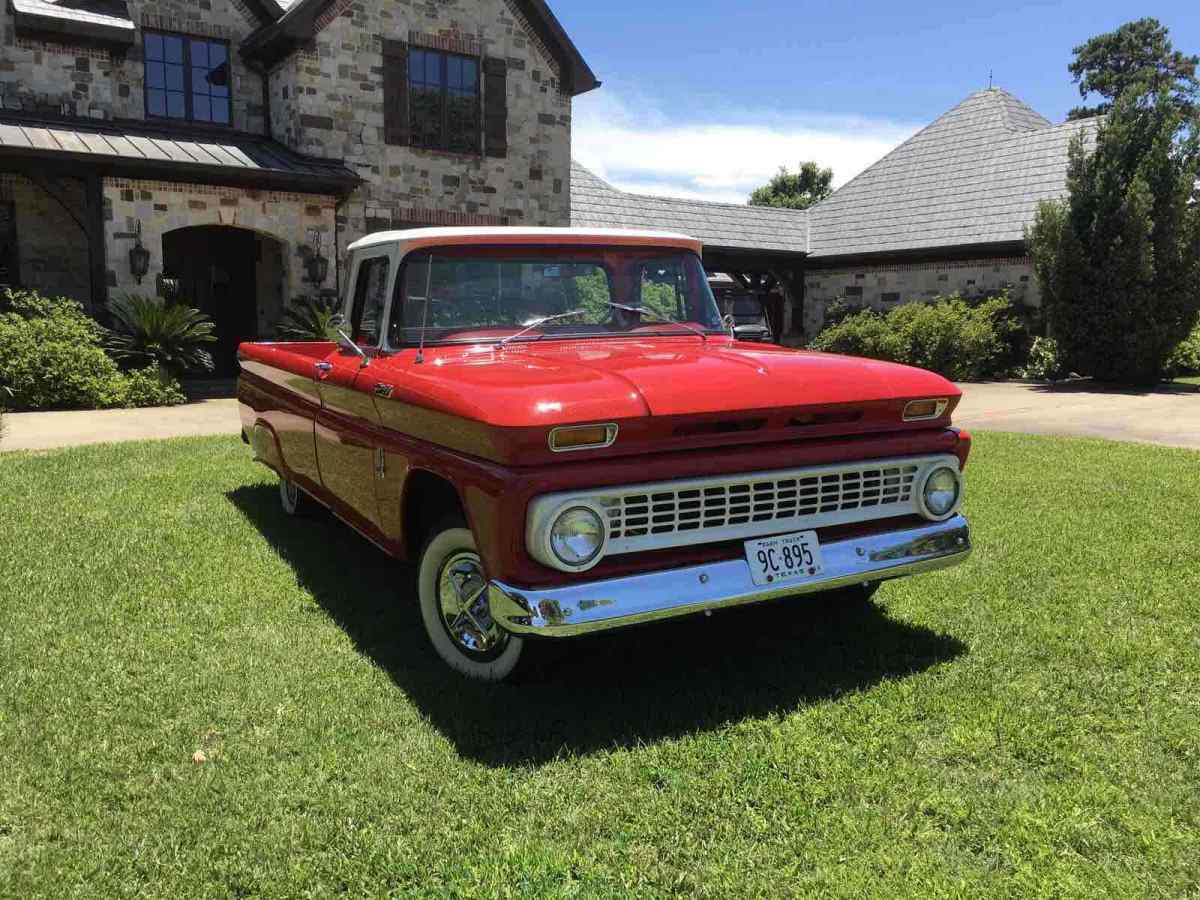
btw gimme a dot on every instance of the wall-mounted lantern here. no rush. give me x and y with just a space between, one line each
316 267
139 256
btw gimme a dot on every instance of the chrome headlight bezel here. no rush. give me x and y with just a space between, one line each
922 495
542 537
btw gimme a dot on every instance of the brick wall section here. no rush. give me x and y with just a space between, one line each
328 101
883 286
59 78
51 249
162 206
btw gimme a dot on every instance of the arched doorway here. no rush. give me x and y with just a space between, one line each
233 275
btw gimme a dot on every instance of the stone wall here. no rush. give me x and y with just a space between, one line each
328 101
884 286
52 252
63 79
295 220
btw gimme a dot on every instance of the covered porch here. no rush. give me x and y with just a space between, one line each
231 223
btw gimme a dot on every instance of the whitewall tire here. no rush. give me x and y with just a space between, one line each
452 590
293 500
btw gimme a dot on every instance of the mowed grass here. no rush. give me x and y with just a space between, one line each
1027 724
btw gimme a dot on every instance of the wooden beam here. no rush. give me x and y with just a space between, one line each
93 202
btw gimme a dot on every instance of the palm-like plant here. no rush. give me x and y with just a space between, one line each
308 319
171 335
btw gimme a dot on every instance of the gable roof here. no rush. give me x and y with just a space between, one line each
973 176
299 24
721 226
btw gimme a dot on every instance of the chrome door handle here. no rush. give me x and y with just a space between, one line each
324 367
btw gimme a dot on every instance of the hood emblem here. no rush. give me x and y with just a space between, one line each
384 390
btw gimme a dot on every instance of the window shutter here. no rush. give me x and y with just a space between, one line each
395 93
495 111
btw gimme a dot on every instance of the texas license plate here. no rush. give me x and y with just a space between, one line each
784 558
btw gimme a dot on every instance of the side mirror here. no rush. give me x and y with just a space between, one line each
346 342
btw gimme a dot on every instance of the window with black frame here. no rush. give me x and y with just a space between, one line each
444 101
187 78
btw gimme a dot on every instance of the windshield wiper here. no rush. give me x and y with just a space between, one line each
538 323
662 317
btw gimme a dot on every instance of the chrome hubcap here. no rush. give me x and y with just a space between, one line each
462 598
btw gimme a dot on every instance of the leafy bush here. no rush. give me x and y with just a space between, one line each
149 330
838 311
1045 361
152 386
52 357
960 340
309 319
1185 359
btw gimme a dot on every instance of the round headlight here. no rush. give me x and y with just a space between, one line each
941 491
577 536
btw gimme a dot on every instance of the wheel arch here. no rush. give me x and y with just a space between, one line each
428 497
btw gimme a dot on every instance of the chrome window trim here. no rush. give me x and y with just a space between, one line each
543 509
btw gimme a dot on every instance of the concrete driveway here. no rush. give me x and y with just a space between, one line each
1167 415
43 430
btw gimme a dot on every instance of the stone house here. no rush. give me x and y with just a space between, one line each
236 147
943 213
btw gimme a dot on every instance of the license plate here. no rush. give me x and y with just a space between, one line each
784 558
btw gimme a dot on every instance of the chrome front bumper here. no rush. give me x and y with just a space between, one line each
617 602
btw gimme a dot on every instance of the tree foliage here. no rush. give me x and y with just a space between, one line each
1118 262
309 319
795 190
1136 59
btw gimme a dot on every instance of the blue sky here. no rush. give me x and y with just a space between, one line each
706 99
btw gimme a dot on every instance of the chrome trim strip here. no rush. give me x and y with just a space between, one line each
618 602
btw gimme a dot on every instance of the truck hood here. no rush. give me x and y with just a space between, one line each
560 382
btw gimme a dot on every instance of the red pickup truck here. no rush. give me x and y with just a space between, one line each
558 428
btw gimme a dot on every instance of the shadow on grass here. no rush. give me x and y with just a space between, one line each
614 690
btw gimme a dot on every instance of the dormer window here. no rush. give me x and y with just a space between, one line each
187 78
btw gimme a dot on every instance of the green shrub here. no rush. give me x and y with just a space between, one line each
1185 358
960 340
1045 362
838 311
52 357
152 386
309 319
149 330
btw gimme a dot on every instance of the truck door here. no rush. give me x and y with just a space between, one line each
347 423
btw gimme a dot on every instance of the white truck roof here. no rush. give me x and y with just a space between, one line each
416 238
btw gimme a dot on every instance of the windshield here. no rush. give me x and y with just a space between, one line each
486 294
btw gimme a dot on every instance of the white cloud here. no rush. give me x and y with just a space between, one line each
635 147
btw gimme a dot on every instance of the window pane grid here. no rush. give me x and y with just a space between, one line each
187 78
444 101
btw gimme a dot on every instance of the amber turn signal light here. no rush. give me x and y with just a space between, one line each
918 410
582 437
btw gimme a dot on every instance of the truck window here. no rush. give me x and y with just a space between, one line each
370 298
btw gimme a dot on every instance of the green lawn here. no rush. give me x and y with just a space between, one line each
1027 724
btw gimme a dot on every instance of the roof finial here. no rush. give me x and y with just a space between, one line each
989 79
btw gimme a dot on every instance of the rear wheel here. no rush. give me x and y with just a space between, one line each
452 589
293 500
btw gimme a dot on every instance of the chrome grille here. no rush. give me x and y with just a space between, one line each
692 511
737 502
790 497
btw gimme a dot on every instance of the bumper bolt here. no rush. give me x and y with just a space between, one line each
860 551
704 579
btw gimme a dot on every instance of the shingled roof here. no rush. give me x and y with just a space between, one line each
973 176
722 226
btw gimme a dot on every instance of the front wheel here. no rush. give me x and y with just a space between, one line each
452 590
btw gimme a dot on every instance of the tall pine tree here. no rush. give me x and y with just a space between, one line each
1119 263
